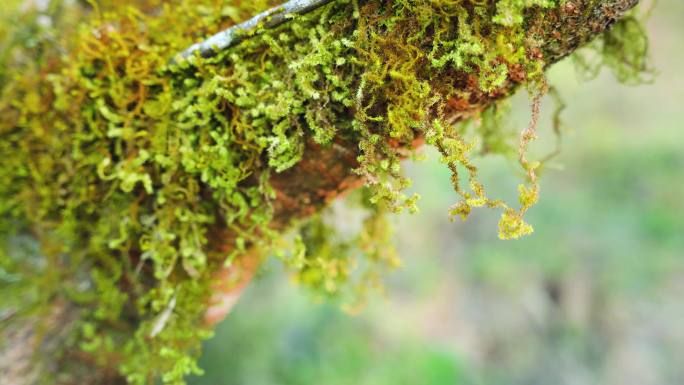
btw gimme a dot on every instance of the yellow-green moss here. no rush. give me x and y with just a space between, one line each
120 164
623 49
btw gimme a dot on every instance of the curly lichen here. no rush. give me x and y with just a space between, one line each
129 169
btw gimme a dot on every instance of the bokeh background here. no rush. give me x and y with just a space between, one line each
594 296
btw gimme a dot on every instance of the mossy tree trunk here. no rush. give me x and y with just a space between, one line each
324 173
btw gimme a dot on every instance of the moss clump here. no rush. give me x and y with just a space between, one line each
345 261
139 179
623 48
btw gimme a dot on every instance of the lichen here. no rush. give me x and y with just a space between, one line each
125 165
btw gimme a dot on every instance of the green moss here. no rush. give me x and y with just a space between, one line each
623 49
343 265
124 167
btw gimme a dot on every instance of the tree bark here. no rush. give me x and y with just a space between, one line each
322 175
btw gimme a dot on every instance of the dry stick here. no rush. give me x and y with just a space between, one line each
239 32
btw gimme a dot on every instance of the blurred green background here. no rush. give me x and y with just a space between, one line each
594 296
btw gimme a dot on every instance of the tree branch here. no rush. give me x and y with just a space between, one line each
267 19
323 174
318 179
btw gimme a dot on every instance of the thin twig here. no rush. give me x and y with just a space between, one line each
267 19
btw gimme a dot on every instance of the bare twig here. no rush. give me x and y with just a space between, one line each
267 19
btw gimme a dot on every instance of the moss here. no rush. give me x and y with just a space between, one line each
126 168
623 49
345 266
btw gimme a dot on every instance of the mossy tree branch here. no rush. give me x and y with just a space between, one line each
296 173
268 19
329 172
